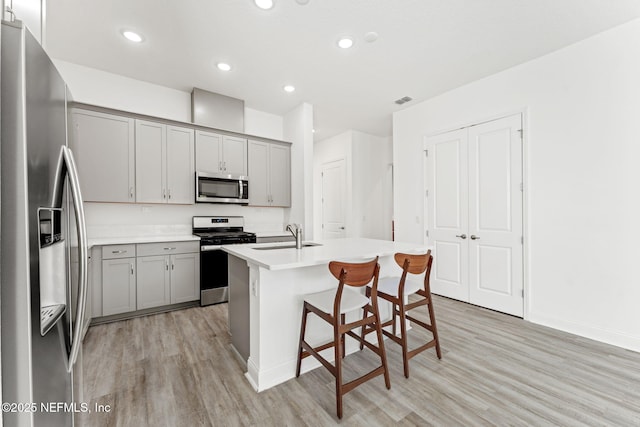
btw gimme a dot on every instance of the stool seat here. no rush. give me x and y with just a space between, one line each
389 286
351 300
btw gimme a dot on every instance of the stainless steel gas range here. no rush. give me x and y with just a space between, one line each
215 231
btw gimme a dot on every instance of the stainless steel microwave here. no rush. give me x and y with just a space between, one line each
218 188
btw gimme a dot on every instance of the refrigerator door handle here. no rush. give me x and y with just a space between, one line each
67 166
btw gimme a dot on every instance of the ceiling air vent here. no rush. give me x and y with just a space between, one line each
403 100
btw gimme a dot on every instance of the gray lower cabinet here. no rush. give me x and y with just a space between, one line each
153 285
148 275
118 279
168 273
185 277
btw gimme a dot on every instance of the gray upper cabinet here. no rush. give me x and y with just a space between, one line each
269 174
150 161
104 148
180 172
164 163
222 154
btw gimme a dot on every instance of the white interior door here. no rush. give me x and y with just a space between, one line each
447 212
473 210
333 200
495 215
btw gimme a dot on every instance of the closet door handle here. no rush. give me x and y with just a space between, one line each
462 236
474 237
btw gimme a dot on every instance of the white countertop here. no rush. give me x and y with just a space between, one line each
101 241
351 249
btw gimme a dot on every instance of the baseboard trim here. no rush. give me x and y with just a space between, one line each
606 336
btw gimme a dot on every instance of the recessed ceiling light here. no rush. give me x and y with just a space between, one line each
132 36
345 42
289 88
371 36
223 66
264 4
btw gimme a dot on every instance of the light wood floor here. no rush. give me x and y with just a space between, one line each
176 369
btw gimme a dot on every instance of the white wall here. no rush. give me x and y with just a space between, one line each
372 192
263 124
96 87
581 108
298 129
367 182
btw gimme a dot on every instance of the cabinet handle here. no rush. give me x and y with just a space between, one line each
169 249
169 193
131 192
118 252
131 265
164 193
220 166
167 265
224 166
173 266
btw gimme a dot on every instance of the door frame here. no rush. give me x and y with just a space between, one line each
526 183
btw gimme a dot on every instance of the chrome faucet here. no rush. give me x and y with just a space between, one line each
296 230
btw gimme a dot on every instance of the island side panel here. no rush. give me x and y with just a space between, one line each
276 299
239 323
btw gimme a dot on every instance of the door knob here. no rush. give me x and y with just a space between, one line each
474 237
462 236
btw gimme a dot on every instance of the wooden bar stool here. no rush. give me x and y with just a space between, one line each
331 306
396 290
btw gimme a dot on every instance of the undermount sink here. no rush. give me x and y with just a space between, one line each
270 248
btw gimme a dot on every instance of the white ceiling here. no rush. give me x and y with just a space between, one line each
425 47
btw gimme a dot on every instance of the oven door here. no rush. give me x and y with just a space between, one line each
213 188
214 277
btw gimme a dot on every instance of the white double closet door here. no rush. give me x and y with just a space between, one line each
473 207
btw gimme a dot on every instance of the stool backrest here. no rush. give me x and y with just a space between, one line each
417 263
357 275
354 274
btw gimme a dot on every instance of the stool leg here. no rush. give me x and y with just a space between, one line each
343 337
303 327
432 318
362 336
403 339
383 354
338 362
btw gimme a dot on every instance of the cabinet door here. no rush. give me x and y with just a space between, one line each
180 175
153 288
150 161
280 175
258 160
234 155
103 145
185 277
208 151
118 286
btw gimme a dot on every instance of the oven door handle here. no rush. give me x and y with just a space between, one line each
207 248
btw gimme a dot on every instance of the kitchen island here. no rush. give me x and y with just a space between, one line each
267 283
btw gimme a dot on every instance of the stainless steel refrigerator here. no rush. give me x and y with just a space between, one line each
42 236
